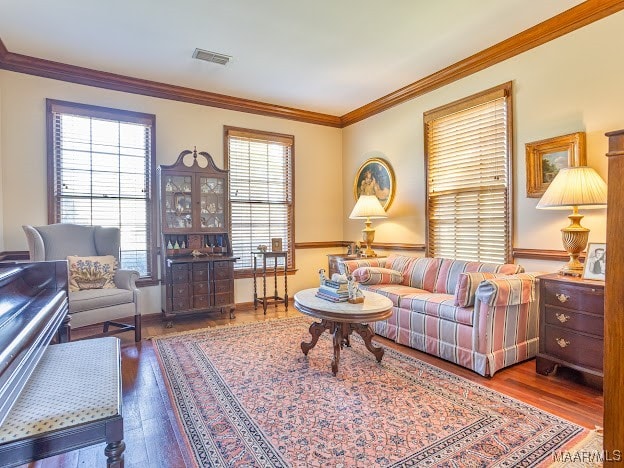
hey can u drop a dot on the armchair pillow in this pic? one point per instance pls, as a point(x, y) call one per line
point(91, 272)
point(467, 286)
point(377, 275)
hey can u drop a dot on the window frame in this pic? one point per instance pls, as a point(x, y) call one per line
point(87, 110)
point(501, 91)
point(264, 135)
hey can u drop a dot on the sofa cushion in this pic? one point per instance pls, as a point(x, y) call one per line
point(448, 274)
point(89, 299)
point(437, 305)
point(375, 275)
point(467, 287)
point(391, 291)
point(422, 273)
point(400, 263)
point(347, 267)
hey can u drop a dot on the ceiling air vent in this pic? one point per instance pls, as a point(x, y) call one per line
point(211, 56)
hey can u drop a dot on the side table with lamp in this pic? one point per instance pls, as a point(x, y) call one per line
point(572, 309)
point(368, 207)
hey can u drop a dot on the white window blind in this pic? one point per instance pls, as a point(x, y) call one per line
point(468, 178)
point(102, 162)
point(261, 192)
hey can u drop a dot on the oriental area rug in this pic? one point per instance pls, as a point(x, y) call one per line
point(247, 396)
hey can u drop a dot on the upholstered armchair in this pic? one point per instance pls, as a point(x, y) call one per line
point(90, 306)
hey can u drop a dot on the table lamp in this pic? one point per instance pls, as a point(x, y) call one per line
point(367, 207)
point(575, 187)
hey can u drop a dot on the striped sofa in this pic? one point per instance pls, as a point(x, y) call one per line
point(482, 316)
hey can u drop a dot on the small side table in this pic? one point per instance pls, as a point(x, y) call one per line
point(275, 298)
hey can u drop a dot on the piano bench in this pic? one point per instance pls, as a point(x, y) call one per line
point(72, 400)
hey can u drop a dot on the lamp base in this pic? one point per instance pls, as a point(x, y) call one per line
point(368, 236)
point(574, 239)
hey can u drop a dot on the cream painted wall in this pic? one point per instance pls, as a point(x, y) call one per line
point(567, 85)
point(1, 180)
point(179, 126)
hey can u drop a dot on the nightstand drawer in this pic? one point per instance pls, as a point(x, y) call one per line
point(563, 318)
point(572, 347)
point(573, 296)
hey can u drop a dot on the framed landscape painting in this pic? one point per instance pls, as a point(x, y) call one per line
point(544, 159)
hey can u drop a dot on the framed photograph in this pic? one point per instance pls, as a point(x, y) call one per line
point(375, 177)
point(595, 262)
point(276, 244)
point(545, 158)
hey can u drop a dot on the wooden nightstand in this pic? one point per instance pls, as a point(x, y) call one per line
point(571, 326)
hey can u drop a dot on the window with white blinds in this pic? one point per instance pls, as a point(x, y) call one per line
point(261, 192)
point(468, 161)
point(100, 173)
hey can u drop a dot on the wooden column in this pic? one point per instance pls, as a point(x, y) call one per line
point(614, 301)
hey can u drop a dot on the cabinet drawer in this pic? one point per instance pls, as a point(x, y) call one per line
point(201, 288)
point(563, 318)
point(223, 286)
point(179, 274)
point(223, 299)
point(223, 270)
point(201, 302)
point(573, 296)
point(572, 347)
point(180, 303)
point(179, 290)
point(200, 272)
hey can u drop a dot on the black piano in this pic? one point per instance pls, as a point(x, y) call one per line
point(33, 314)
point(33, 309)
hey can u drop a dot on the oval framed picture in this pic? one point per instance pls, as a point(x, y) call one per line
point(375, 177)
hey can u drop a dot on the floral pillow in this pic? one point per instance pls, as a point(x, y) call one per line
point(91, 272)
point(467, 286)
point(377, 275)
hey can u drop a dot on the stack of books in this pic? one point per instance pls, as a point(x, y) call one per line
point(333, 291)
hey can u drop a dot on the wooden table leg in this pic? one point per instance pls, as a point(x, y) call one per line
point(316, 330)
point(367, 333)
point(114, 454)
point(338, 343)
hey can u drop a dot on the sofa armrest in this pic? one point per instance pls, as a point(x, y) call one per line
point(126, 279)
point(347, 267)
point(508, 290)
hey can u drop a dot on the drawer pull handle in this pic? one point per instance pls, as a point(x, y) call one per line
point(563, 318)
point(562, 297)
point(561, 342)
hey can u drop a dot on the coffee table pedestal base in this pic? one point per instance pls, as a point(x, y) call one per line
point(341, 332)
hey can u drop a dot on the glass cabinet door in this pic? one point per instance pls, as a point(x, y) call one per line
point(178, 207)
point(212, 202)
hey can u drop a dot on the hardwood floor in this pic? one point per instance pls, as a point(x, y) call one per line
point(151, 432)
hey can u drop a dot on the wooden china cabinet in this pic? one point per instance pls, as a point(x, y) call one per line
point(197, 262)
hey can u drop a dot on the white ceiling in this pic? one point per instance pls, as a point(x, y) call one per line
point(329, 56)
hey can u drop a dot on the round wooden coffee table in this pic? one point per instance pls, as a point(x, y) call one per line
point(341, 319)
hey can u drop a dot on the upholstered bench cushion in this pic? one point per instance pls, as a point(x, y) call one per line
point(438, 305)
point(90, 299)
point(73, 384)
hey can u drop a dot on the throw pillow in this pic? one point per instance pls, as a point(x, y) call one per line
point(91, 272)
point(377, 275)
point(467, 286)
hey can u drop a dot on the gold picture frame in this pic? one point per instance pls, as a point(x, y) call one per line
point(276, 244)
point(544, 159)
point(375, 177)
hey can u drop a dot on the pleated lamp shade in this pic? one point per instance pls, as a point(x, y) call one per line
point(575, 186)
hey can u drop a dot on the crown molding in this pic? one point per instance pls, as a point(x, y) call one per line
point(557, 26)
point(3, 51)
point(86, 76)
